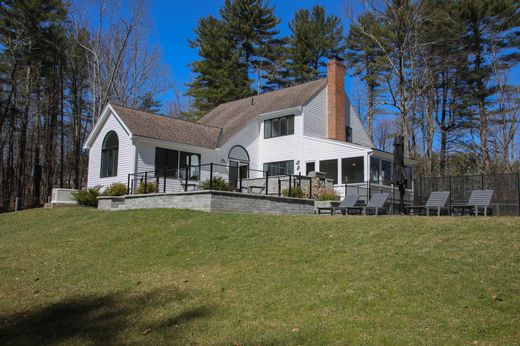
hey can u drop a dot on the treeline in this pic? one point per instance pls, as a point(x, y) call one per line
point(436, 71)
point(57, 72)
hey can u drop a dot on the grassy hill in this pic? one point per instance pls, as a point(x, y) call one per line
point(82, 276)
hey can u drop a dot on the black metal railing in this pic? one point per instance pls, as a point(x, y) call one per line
point(505, 186)
point(213, 176)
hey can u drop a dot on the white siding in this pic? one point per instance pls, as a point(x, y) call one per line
point(315, 116)
point(283, 148)
point(248, 138)
point(125, 156)
point(359, 135)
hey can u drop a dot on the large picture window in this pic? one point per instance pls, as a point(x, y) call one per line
point(277, 127)
point(166, 162)
point(109, 155)
point(279, 168)
point(172, 162)
point(353, 169)
point(330, 168)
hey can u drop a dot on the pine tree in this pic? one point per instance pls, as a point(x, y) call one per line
point(221, 75)
point(315, 37)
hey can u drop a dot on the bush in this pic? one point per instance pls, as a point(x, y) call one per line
point(150, 187)
point(87, 197)
point(218, 184)
point(324, 193)
point(116, 189)
point(296, 192)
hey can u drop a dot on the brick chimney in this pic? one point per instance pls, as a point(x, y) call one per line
point(336, 99)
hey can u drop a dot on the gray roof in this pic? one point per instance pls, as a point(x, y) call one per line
point(234, 116)
point(145, 124)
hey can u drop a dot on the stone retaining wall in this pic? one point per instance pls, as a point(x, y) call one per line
point(211, 201)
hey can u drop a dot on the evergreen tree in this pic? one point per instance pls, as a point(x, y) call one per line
point(251, 25)
point(150, 104)
point(221, 74)
point(315, 37)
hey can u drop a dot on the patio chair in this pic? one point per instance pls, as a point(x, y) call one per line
point(437, 201)
point(376, 204)
point(348, 201)
point(478, 200)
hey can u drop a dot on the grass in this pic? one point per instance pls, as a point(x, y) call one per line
point(82, 276)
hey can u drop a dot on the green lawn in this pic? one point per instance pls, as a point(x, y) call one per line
point(82, 276)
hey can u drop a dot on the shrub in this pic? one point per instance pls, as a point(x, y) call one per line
point(87, 197)
point(116, 189)
point(296, 192)
point(150, 187)
point(324, 193)
point(218, 184)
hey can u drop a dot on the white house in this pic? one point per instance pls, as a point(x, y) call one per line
point(296, 130)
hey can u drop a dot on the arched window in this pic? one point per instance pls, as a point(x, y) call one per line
point(239, 153)
point(109, 155)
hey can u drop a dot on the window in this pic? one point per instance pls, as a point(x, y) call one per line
point(310, 167)
point(353, 169)
point(374, 169)
point(173, 161)
point(277, 127)
point(386, 172)
point(348, 134)
point(166, 160)
point(192, 161)
point(109, 155)
point(330, 168)
point(279, 168)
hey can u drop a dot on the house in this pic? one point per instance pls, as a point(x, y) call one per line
point(296, 130)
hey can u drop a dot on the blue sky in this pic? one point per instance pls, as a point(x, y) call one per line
point(173, 23)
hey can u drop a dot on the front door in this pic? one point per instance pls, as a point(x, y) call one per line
point(237, 170)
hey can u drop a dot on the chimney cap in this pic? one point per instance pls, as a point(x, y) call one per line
point(336, 58)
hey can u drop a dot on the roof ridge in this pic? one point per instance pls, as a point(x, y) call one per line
point(267, 93)
point(161, 115)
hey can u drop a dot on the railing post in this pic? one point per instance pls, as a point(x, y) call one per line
point(186, 178)
point(211, 176)
point(300, 179)
point(267, 182)
point(164, 181)
point(310, 188)
point(145, 181)
point(157, 184)
point(482, 181)
point(128, 185)
point(279, 187)
point(240, 178)
point(289, 195)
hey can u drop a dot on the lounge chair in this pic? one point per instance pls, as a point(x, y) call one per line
point(347, 202)
point(437, 201)
point(478, 200)
point(376, 204)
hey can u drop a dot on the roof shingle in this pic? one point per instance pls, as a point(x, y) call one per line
point(145, 124)
point(234, 116)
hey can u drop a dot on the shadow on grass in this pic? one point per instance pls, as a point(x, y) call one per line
point(111, 319)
